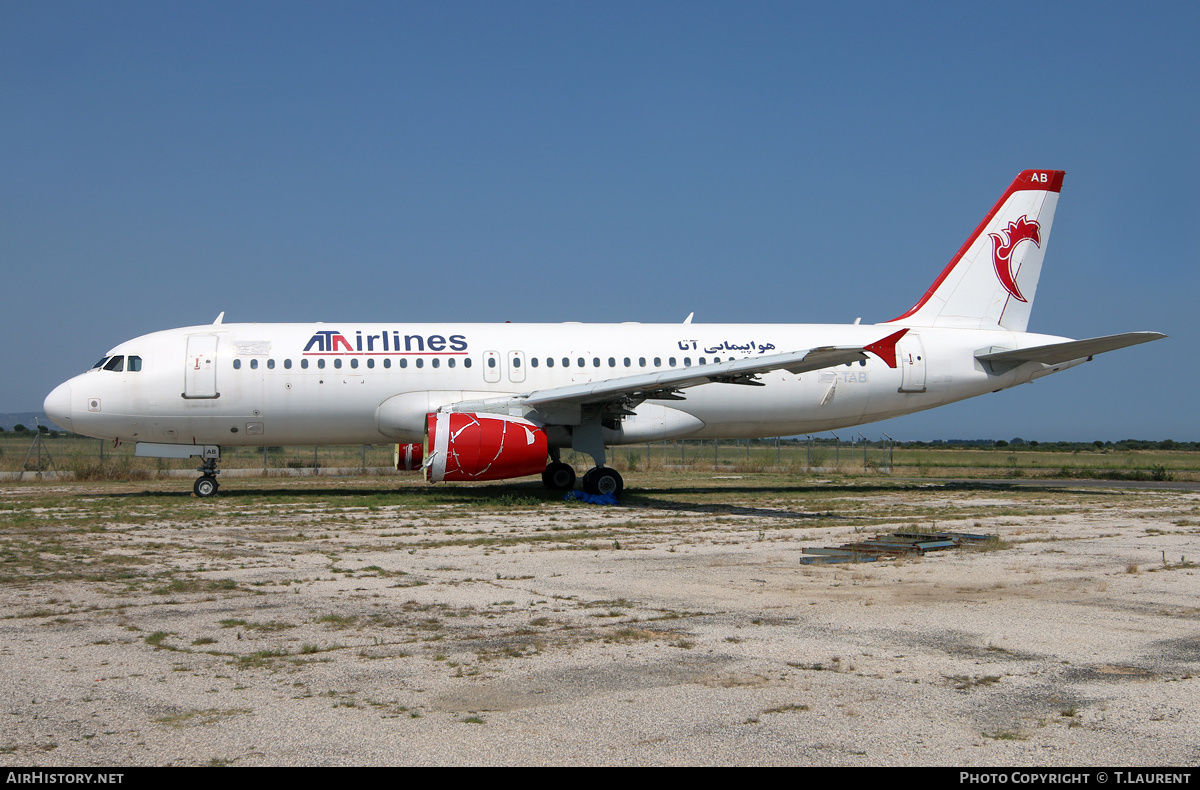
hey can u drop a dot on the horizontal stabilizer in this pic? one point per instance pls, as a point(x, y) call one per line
point(1056, 353)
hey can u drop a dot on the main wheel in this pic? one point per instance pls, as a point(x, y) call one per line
point(603, 480)
point(205, 486)
point(559, 476)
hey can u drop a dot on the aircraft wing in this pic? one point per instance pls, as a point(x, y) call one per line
point(664, 384)
point(1056, 353)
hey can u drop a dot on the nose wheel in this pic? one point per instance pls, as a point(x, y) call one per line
point(205, 486)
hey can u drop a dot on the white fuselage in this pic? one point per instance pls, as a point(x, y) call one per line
point(342, 383)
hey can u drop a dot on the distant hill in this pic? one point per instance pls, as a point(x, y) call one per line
point(26, 418)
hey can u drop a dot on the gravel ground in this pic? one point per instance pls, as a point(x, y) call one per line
point(354, 623)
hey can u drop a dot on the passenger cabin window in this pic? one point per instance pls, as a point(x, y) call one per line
point(135, 364)
point(467, 362)
point(254, 364)
point(304, 364)
point(237, 364)
point(387, 363)
point(116, 363)
point(270, 364)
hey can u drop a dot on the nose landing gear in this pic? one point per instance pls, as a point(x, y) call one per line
point(206, 485)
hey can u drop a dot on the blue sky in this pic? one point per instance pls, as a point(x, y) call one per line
point(751, 162)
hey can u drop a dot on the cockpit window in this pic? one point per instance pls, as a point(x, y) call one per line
point(135, 364)
point(116, 363)
point(100, 364)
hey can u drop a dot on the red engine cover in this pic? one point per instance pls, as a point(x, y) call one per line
point(482, 447)
point(408, 457)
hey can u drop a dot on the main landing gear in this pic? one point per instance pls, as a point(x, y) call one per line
point(206, 485)
point(586, 438)
point(559, 476)
point(599, 480)
point(603, 480)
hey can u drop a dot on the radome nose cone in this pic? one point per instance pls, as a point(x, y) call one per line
point(58, 406)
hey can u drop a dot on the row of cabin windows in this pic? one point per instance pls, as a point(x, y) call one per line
point(627, 362)
point(451, 362)
point(120, 363)
point(337, 363)
point(612, 362)
point(491, 362)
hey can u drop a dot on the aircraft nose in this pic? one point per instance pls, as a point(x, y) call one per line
point(58, 406)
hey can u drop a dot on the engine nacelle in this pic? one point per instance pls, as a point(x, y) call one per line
point(482, 447)
point(408, 457)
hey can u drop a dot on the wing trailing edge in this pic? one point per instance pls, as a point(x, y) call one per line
point(740, 371)
point(666, 384)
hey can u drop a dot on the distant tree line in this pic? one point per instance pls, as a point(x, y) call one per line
point(1016, 443)
point(988, 444)
point(21, 430)
point(1071, 447)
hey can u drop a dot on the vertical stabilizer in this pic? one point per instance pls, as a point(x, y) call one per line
point(991, 281)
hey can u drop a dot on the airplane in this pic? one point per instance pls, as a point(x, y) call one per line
point(468, 401)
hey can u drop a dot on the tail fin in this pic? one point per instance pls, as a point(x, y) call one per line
point(990, 282)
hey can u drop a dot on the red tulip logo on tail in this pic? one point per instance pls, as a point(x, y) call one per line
point(1003, 244)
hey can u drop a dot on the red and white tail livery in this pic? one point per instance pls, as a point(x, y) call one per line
point(991, 280)
point(466, 401)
